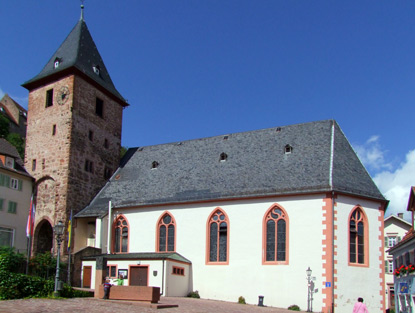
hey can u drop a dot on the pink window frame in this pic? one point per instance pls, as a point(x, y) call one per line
point(267, 216)
point(114, 226)
point(364, 220)
point(160, 223)
point(209, 222)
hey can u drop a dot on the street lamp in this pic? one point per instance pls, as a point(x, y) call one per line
point(59, 230)
point(309, 271)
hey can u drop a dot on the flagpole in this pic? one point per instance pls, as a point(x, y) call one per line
point(69, 250)
point(29, 246)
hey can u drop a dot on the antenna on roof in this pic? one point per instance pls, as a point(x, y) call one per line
point(82, 10)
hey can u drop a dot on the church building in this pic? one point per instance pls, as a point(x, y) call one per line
point(285, 215)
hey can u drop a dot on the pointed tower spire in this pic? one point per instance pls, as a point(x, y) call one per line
point(82, 11)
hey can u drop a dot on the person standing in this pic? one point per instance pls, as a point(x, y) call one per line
point(360, 307)
point(107, 287)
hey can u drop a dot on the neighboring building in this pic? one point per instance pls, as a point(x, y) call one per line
point(395, 229)
point(15, 192)
point(73, 134)
point(244, 214)
point(404, 265)
point(15, 113)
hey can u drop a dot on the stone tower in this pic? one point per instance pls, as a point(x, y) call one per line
point(73, 132)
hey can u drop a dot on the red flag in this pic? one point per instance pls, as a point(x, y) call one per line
point(31, 218)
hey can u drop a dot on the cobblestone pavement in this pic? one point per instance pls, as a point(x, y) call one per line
point(91, 305)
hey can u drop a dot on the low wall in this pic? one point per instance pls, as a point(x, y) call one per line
point(138, 293)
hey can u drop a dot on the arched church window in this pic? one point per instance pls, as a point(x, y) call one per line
point(218, 237)
point(120, 235)
point(358, 240)
point(166, 233)
point(275, 236)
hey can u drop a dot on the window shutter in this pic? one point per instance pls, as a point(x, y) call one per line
point(7, 181)
point(1, 204)
point(386, 266)
point(2, 177)
point(398, 239)
point(386, 242)
point(20, 186)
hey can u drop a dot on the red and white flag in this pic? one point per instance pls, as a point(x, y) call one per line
point(31, 218)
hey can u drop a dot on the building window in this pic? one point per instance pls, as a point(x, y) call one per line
point(91, 135)
point(112, 271)
point(89, 166)
point(1, 204)
point(15, 183)
point(34, 165)
point(54, 130)
point(6, 237)
point(357, 237)
point(120, 235)
point(49, 98)
point(12, 207)
point(107, 173)
point(275, 236)
point(4, 180)
point(166, 233)
point(99, 107)
point(96, 69)
point(9, 162)
point(178, 271)
point(218, 239)
point(106, 144)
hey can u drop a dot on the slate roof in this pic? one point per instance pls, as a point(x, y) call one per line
point(142, 256)
point(321, 160)
point(78, 52)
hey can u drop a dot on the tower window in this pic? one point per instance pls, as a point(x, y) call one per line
point(99, 107)
point(49, 98)
point(57, 63)
point(54, 130)
point(91, 135)
point(34, 165)
point(89, 166)
point(106, 144)
point(107, 173)
point(43, 164)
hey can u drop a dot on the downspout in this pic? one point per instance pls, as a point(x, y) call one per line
point(162, 279)
point(332, 212)
point(109, 227)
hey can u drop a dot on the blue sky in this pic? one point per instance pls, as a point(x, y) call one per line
point(193, 69)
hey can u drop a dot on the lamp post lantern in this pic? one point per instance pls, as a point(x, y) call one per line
point(59, 230)
point(309, 271)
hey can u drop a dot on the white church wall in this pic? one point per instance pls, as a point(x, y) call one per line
point(245, 275)
point(358, 281)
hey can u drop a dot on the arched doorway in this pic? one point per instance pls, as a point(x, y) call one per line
point(44, 237)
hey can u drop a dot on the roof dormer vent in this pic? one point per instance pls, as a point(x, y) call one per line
point(288, 149)
point(96, 69)
point(57, 62)
point(154, 165)
point(223, 157)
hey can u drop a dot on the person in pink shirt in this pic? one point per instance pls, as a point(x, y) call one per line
point(360, 307)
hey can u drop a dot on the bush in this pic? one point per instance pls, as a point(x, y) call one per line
point(241, 300)
point(68, 292)
point(194, 294)
point(10, 261)
point(17, 286)
point(294, 307)
point(44, 265)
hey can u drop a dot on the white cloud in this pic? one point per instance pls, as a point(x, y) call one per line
point(395, 185)
point(372, 155)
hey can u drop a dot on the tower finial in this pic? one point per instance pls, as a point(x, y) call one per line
point(82, 10)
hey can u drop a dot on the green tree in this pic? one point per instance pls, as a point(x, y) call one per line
point(123, 151)
point(4, 126)
point(18, 142)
